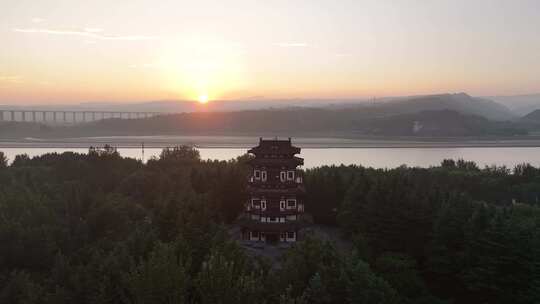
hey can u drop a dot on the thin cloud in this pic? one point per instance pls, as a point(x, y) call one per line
point(11, 79)
point(37, 20)
point(93, 30)
point(291, 44)
point(88, 33)
point(144, 66)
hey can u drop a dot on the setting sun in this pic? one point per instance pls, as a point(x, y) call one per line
point(203, 99)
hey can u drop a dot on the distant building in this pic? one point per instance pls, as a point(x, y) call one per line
point(274, 210)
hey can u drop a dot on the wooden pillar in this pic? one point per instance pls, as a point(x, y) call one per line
point(1, 115)
point(34, 116)
point(74, 117)
point(64, 116)
point(54, 116)
point(12, 115)
point(93, 116)
point(44, 116)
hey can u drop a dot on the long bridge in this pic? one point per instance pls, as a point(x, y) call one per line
point(61, 116)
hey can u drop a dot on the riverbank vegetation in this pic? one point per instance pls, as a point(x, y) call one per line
point(99, 228)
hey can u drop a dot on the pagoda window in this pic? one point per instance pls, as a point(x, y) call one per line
point(282, 176)
point(257, 174)
point(263, 204)
point(291, 203)
point(283, 236)
point(263, 176)
point(291, 235)
point(282, 205)
point(290, 175)
point(282, 220)
point(256, 203)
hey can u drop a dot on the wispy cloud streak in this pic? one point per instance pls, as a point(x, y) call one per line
point(88, 33)
point(291, 44)
point(10, 78)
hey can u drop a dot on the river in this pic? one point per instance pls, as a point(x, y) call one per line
point(369, 157)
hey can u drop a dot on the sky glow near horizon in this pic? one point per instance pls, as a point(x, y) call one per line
point(125, 51)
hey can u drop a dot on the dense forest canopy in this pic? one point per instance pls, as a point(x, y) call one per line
point(100, 228)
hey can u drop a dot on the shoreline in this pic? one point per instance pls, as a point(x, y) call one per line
point(242, 142)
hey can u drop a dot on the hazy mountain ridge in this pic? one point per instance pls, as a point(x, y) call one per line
point(460, 102)
point(519, 104)
point(447, 123)
point(431, 115)
point(292, 122)
point(533, 116)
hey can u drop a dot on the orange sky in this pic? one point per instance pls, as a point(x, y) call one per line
point(125, 51)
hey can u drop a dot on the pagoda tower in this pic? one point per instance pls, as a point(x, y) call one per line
point(275, 206)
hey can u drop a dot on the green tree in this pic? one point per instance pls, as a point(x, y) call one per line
point(223, 280)
point(20, 288)
point(3, 160)
point(162, 278)
point(363, 286)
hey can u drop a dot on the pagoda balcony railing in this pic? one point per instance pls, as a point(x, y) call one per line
point(296, 180)
point(298, 207)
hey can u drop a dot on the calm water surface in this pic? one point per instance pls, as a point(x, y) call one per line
point(369, 157)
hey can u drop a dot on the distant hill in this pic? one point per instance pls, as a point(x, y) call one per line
point(350, 122)
point(519, 104)
point(533, 116)
point(460, 102)
point(445, 123)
